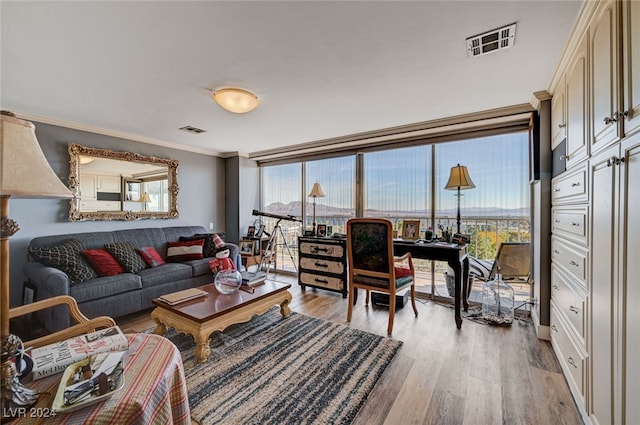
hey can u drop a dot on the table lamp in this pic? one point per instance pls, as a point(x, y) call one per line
point(25, 173)
point(145, 199)
point(459, 179)
point(316, 192)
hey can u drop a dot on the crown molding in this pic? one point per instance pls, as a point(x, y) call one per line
point(113, 133)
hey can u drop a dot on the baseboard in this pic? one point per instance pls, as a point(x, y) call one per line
point(542, 331)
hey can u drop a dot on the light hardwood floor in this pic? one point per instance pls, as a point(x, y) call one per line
point(480, 374)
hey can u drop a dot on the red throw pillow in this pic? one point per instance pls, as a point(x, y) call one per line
point(151, 256)
point(402, 272)
point(185, 250)
point(103, 262)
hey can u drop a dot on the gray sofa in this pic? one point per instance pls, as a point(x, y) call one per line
point(124, 293)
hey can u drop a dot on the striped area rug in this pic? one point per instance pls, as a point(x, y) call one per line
point(299, 370)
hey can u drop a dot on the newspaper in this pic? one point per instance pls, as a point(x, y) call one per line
point(54, 358)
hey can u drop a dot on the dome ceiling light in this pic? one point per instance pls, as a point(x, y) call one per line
point(235, 100)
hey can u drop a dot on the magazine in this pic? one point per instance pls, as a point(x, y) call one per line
point(54, 358)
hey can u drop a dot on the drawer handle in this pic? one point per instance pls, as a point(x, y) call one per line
point(555, 251)
point(575, 184)
point(321, 265)
point(556, 287)
point(562, 125)
point(321, 280)
point(557, 189)
point(609, 120)
point(553, 328)
point(572, 362)
point(574, 309)
point(573, 223)
point(316, 249)
point(556, 221)
point(573, 263)
point(564, 157)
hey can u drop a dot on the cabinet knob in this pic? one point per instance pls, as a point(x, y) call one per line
point(619, 115)
point(575, 184)
point(556, 287)
point(572, 362)
point(573, 263)
point(575, 224)
point(574, 309)
point(609, 120)
point(553, 328)
point(564, 157)
point(562, 125)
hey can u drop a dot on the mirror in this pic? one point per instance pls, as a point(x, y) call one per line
point(109, 185)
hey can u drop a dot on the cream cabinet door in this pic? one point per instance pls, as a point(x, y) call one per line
point(603, 287)
point(631, 65)
point(604, 78)
point(88, 187)
point(630, 247)
point(576, 92)
point(558, 116)
point(109, 184)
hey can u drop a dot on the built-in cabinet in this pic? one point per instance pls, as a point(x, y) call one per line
point(595, 319)
point(92, 184)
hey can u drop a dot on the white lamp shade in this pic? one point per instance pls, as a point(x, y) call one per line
point(316, 191)
point(25, 172)
point(235, 100)
point(145, 197)
point(459, 178)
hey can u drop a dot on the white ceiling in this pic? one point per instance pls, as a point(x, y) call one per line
point(320, 69)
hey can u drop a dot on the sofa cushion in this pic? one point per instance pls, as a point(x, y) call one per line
point(66, 257)
point(151, 256)
point(103, 262)
point(185, 250)
point(127, 256)
point(200, 267)
point(107, 286)
point(169, 272)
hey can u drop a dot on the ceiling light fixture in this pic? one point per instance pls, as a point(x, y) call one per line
point(235, 100)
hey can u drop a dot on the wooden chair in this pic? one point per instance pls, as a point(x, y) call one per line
point(83, 324)
point(373, 267)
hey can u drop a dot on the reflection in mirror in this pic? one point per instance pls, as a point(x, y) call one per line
point(111, 185)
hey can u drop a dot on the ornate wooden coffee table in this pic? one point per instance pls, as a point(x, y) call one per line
point(215, 312)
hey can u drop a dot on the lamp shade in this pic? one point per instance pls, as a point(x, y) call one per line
point(459, 178)
point(145, 197)
point(236, 100)
point(316, 191)
point(25, 172)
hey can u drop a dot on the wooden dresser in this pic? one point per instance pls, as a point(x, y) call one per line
point(322, 263)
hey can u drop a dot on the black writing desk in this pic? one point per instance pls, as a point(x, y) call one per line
point(455, 255)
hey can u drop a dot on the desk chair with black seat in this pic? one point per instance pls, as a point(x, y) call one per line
point(372, 265)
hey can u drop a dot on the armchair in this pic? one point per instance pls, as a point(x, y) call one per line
point(373, 267)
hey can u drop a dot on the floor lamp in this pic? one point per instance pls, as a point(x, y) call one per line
point(459, 179)
point(25, 173)
point(316, 192)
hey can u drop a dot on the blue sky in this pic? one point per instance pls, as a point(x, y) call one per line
point(400, 179)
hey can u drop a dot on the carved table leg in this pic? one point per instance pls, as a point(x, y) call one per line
point(203, 351)
point(284, 306)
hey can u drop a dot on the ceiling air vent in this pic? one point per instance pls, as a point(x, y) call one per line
point(491, 41)
point(192, 130)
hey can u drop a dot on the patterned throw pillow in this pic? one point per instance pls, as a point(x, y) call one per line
point(151, 256)
point(103, 262)
point(66, 257)
point(185, 250)
point(127, 256)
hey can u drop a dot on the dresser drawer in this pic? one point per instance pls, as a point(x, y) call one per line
point(571, 357)
point(329, 282)
point(322, 249)
point(570, 186)
point(571, 302)
point(571, 257)
point(571, 222)
point(322, 265)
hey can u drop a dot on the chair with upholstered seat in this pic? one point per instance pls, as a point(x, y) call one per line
point(373, 267)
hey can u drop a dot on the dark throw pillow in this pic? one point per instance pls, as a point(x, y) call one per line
point(103, 262)
point(185, 250)
point(151, 256)
point(66, 257)
point(127, 256)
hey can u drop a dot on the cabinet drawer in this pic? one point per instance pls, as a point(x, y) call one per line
point(320, 248)
point(572, 358)
point(571, 222)
point(334, 283)
point(318, 264)
point(570, 186)
point(570, 301)
point(571, 257)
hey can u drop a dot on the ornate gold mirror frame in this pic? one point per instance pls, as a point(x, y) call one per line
point(75, 213)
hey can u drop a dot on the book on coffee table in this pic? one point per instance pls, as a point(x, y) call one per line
point(253, 278)
point(182, 296)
